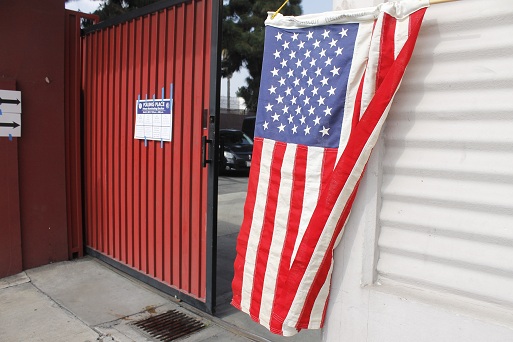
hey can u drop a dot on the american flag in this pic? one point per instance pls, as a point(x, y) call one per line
point(327, 84)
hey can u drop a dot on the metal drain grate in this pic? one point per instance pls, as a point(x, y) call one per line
point(170, 325)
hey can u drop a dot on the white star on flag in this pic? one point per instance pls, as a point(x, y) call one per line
point(324, 131)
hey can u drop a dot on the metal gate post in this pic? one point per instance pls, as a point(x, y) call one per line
point(213, 123)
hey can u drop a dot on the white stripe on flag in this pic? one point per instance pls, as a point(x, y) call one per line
point(369, 85)
point(275, 251)
point(314, 166)
point(402, 28)
point(256, 223)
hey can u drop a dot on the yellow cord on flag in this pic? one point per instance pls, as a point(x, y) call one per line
point(431, 2)
point(279, 9)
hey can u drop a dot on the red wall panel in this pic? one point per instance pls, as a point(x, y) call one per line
point(146, 202)
point(32, 36)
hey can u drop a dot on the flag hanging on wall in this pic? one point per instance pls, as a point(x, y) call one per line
point(326, 87)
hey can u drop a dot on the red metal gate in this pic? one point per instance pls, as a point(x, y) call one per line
point(146, 201)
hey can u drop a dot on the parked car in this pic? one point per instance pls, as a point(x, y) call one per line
point(248, 126)
point(236, 150)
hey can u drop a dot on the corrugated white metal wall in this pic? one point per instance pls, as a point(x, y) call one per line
point(447, 193)
point(427, 254)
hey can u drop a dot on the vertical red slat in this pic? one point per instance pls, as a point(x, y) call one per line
point(159, 160)
point(95, 145)
point(196, 171)
point(89, 93)
point(103, 132)
point(131, 96)
point(169, 157)
point(98, 137)
point(110, 115)
point(177, 149)
point(86, 84)
point(137, 147)
point(152, 91)
point(116, 113)
point(144, 152)
point(123, 222)
point(187, 150)
point(86, 70)
point(99, 141)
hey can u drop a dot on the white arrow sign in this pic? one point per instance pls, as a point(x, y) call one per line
point(10, 113)
point(10, 125)
point(10, 101)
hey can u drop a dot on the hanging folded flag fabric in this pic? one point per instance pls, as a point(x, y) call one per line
point(327, 84)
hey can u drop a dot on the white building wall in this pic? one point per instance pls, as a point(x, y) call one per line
point(427, 254)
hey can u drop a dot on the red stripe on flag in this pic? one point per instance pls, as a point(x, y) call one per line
point(328, 165)
point(296, 208)
point(267, 228)
point(242, 239)
point(416, 21)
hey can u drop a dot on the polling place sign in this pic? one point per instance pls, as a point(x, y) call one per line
point(154, 119)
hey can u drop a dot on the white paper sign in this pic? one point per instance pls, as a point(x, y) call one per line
point(154, 119)
point(10, 113)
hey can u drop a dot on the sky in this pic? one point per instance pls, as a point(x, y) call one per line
point(309, 7)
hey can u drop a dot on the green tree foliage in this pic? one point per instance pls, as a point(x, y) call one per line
point(243, 40)
point(112, 8)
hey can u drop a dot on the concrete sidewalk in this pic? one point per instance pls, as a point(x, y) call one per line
point(86, 300)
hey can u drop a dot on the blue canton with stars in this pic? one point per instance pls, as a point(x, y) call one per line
point(303, 85)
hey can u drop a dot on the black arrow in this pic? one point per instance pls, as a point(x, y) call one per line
point(6, 124)
point(16, 102)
